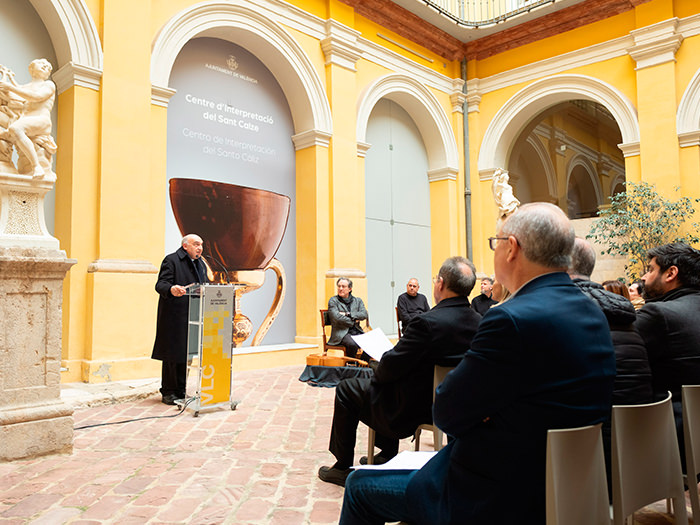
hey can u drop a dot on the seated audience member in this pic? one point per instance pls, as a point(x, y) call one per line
point(411, 303)
point(541, 360)
point(633, 376)
point(482, 302)
point(617, 287)
point(636, 291)
point(400, 395)
point(345, 312)
point(669, 322)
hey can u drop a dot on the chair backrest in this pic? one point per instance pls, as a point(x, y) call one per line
point(646, 464)
point(439, 374)
point(326, 321)
point(577, 489)
point(691, 433)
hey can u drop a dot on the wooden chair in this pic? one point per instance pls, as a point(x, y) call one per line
point(646, 464)
point(576, 485)
point(325, 322)
point(439, 373)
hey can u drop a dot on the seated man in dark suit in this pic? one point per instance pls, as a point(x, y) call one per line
point(482, 302)
point(543, 359)
point(399, 396)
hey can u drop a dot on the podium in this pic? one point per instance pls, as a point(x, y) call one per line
point(209, 340)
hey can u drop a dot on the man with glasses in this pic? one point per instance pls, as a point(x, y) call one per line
point(541, 360)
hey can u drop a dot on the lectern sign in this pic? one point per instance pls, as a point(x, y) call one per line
point(215, 383)
point(211, 311)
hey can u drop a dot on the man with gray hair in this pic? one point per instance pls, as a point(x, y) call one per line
point(177, 271)
point(541, 360)
point(399, 396)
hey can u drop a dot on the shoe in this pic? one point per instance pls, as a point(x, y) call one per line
point(378, 460)
point(169, 399)
point(333, 475)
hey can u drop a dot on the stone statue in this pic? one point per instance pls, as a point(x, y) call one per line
point(25, 121)
point(503, 194)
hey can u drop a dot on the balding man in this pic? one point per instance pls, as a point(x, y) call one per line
point(541, 360)
point(411, 304)
point(179, 269)
point(399, 396)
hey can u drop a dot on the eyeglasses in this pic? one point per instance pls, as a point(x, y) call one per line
point(492, 244)
point(435, 279)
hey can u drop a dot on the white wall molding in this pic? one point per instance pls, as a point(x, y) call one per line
point(249, 25)
point(424, 109)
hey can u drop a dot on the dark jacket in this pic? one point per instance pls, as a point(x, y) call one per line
point(542, 359)
point(341, 323)
point(482, 302)
point(401, 391)
point(633, 375)
point(409, 307)
point(171, 328)
point(670, 328)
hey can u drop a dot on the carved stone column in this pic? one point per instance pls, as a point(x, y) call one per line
point(33, 419)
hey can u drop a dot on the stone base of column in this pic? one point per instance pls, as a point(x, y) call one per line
point(33, 419)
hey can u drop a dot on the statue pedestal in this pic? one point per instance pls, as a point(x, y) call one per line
point(22, 221)
point(33, 419)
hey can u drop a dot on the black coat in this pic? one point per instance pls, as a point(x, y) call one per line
point(401, 392)
point(171, 328)
point(633, 375)
point(670, 328)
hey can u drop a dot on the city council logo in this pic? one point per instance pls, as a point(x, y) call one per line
point(232, 63)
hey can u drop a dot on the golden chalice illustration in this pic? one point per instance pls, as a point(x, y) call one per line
point(242, 229)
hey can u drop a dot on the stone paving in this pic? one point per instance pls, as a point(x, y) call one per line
point(254, 465)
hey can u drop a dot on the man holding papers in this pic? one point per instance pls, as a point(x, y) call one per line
point(399, 396)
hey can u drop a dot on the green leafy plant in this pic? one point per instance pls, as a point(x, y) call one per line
point(639, 219)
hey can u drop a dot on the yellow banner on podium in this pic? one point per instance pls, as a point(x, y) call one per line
point(215, 366)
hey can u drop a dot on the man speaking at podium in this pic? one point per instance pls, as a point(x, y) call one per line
point(177, 270)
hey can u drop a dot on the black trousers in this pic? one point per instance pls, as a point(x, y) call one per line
point(173, 379)
point(351, 348)
point(351, 400)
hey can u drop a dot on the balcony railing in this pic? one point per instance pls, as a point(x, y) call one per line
point(477, 13)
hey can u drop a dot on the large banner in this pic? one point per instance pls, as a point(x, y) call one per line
point(229, 121)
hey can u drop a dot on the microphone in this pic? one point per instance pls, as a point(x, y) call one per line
point(219, 264)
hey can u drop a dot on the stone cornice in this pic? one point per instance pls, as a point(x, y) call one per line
point(121, 266)
point(310, 138)
point(71, 74)
point(340, 45)
point(160, 96)
point(656, 44)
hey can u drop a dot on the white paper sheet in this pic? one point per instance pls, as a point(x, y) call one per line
point(374, 342)
point(406, 460)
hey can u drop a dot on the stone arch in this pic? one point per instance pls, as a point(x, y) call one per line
point(688, 116)
point(273, 46)
point(75, 40)
point(426, 112)
point(522, 107)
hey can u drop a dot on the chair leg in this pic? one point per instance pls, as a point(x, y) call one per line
point(416, 439)
point(370, 446)
point(694, 501)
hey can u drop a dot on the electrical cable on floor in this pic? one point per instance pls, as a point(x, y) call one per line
point(184, 406)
